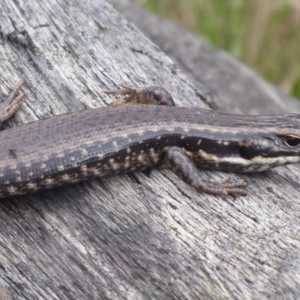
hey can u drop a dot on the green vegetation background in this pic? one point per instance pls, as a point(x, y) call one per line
point(264, 34)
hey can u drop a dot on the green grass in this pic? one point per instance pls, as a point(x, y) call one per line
point(265, 34)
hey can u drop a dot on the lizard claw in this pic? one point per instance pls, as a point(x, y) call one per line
point(225, 187)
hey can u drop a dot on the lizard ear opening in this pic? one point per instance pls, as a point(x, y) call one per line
point(245, 152)
point(248, 150)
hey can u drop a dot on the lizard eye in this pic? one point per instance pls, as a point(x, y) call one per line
point(291, 141)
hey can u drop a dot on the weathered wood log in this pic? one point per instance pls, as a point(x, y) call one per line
point(132, 236)
point(232, 86)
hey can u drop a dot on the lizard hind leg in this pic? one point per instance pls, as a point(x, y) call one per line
point(11, 104)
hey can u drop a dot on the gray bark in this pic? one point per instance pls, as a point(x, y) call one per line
point(134, 236)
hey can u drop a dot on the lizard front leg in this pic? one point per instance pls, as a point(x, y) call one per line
point(149, 95)
point(184, 168)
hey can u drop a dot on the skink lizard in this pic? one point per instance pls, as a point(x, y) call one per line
point(125, 138)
